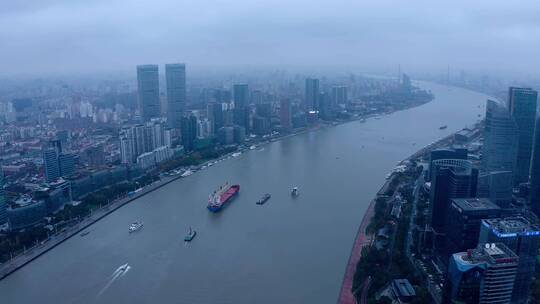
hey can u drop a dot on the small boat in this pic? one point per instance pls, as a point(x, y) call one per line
point(135, 226)
point(263, 199)
point(252, 147)
point(191, 235)
point(294, 191)
point(443, 127)
point(85, 233)
point(187, 173)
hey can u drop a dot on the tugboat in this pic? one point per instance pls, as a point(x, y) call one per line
point(135, 226)
point(191, 235)
point(294, 192)
point(263, 199)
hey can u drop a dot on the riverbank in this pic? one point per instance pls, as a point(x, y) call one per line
point(347, 295)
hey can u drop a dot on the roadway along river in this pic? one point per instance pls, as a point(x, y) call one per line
point(286, 251)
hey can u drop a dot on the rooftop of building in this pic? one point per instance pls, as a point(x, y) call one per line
point(475, 204)
point(485, 253)
point(511, 226)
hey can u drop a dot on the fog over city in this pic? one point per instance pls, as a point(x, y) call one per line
point(67, 36)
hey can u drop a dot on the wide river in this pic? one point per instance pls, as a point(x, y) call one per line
point(286, 251)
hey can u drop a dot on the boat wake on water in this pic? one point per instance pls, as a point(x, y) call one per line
point(118, 273)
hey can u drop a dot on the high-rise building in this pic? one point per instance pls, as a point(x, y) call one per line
point(188, 129)
point(311, 97)
point(483, 275)
point(148, 91)
point(50, 162)
point(522, 105)
point(215, 115)
point(126, 149)
point(339, 95)
point(3, 202)
point(500, 140)
point(241, 95)
point(241, 103)
point(535, 172)
point(522, 236)
point(285, 116)
point(66, 162)
point(497, 186)
point(175, 75)
point(451, 178)
point(464, 218)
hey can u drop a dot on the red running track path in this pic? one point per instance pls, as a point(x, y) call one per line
point(346, 296)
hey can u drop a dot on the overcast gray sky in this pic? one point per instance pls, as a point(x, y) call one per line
point(51, 36)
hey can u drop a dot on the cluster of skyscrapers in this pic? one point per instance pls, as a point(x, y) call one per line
point(481, 232)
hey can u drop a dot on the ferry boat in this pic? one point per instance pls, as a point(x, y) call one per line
point(135, 226)
point(263, 199)
point(294, 191)
point(191, 235)
point(219, 198)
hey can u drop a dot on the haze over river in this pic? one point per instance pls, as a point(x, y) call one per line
point(286, 251)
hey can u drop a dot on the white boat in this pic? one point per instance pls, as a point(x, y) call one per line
point(187, 173)
point(236, 154)
point(135, 226)
point(295, 192)
point(252, 147)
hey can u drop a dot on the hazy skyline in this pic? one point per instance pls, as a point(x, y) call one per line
point(424, 36)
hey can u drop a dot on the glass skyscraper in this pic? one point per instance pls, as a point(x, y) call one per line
point(148, 91)
point(522, 106)
point(175, 75)
point(499, 155)
point(535, 172)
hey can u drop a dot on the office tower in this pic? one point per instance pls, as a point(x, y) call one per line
point(50, 162)
point(264, 110)
point(3, 202)
point(497, 186)
point(463, 222)
point(339, 95)
point(188, 130)
point(483, 275)
point(522, 236)
point(500, 140)
point(241, 95)
point(175, 75)
point(451, 178)
point(285, 117)
point(66, 162)
point(241, 103)
point(449, 153)
point(261, 125)
point(214, 112)
point(311, 97)
point(148, 91)
point(522, 106)
point(535, 172)
point(56, 144)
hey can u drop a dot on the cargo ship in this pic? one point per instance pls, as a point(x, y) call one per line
point(222, 196)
